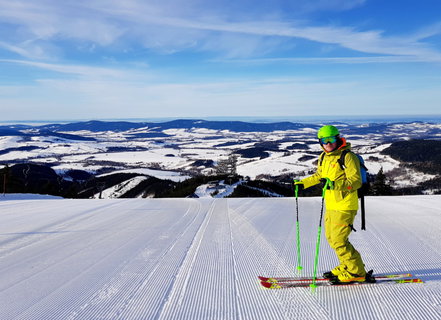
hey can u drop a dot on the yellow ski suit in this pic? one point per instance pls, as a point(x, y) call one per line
point(341, 205)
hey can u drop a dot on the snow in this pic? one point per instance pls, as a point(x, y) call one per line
point(200, 258)
point(275, 165)
point(120, 189)
point(177, 150)
point(160, 174)
point(216, 190)
point(27, 196)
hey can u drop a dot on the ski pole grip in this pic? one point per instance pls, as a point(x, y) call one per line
point(296, 188)
point(324, 188)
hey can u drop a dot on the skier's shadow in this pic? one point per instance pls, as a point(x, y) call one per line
point(427, 274)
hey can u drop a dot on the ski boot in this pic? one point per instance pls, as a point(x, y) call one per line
point(370, 277)
point(347, 277)
point(334, 272)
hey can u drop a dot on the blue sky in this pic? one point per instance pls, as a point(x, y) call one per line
point(112, 59)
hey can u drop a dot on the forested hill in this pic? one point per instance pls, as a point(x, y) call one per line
point(425, 155)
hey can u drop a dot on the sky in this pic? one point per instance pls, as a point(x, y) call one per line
point(112, 59)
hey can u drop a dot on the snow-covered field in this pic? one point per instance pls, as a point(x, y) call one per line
point(199, 259)
point(179, 153)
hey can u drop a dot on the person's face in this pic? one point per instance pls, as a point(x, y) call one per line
point(329, 147)
point(329, 143)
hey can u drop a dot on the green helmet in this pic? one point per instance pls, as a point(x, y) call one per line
point(327, 131)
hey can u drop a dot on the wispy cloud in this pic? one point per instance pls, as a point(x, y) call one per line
point(86, 71)
point(370, 41)
point(329, 60)
point(360, 41)
point(182, 25)
point(52, 20)
point(16, 49)
point(427, 32)
point(75, 58)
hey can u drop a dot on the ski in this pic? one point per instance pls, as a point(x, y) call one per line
point(303, 284)
point(309, 279)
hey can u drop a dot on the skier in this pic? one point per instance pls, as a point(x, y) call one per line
point(341, 202)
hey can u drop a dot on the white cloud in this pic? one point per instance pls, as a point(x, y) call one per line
point(20, 51)
point(427, 32)
point(80, 70)
point(43, 31)
point(171, 26)
point(361, 41)
point(329, 60)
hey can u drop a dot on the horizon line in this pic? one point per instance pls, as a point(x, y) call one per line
point(251, 119)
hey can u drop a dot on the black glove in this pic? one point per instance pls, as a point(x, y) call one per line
point(299, 185)
point(328, 183)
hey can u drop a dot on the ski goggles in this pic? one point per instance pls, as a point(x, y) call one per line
point(327, 140)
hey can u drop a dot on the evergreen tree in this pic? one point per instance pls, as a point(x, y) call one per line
point(227, 166)
point(380, 186)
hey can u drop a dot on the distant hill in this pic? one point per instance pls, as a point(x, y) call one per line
point(423, 154)
point(420, 155)
point(41, 179)
point(236, 126)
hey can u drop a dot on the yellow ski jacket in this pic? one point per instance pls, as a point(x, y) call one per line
point(346, 182)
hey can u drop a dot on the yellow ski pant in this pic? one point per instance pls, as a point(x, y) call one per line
point(337, 230)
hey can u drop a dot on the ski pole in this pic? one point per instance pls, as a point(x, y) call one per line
point(299, 259)
point(317, 247)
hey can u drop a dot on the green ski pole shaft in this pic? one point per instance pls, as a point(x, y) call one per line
point(299, 259)
point(317, 250)
point(317, 246)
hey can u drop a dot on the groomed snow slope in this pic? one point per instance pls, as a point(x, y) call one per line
point(199, 259)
